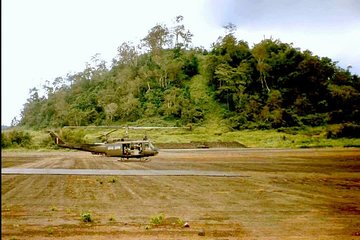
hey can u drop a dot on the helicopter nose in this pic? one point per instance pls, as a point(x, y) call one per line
point(156, 150)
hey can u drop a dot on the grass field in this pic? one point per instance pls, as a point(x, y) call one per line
point(304, 138)
point(281, 194)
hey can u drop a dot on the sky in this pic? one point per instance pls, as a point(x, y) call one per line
point(45, 39)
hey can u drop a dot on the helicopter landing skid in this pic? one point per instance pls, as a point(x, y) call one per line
point(134, 160)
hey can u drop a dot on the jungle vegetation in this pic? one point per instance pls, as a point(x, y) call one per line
point(269, 85)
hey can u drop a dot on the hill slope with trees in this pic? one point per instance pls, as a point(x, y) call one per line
point(164, 78)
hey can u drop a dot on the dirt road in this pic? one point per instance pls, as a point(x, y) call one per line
point(108, 172)
point(287, 194)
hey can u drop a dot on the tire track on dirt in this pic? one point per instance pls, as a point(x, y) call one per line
point(187, 192)
point(126, 185)
point(21, 184)
point(8, 184)
point(53, 162)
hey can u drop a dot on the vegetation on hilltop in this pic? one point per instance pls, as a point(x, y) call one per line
point(270, 85)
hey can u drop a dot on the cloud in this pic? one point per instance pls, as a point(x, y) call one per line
point(282, 14)
point(45, 39)
point(328, 28)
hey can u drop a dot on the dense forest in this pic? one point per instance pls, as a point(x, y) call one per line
point(269, 85)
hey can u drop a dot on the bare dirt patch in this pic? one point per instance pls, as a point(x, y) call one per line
point(288, 194)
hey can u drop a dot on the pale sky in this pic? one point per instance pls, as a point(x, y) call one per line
point(45, 39)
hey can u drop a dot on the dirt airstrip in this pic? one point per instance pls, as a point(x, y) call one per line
point(279, 194)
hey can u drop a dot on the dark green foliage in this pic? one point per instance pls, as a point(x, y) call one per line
point(191, 65)
point(318, 119)
point(344, 130)
point(86, 217)
point(271, 85)
point(5, 141)
point(15, 138)
point(73, 135)
point(48, 142)
point(276, 85)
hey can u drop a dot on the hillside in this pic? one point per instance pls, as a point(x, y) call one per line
point(168, 82)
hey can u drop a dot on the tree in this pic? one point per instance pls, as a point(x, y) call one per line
point(31, 113)
point(172, 102)
point(180, 32)
point(110, 111)
point(260, 54)
point(230, 28)
point(14, 122)
point(158, 37)
point(127, 54)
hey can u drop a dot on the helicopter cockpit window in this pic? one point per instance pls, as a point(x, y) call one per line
point(126, 149)
point(146, 146)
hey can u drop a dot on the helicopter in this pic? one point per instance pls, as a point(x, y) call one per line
point(122, 147)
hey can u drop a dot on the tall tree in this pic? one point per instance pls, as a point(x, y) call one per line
point(157, 39)
point(259, 52)
point(180, 32)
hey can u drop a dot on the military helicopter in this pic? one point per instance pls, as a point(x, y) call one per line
point(122, 147)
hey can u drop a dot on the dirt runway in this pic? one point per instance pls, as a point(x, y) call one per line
point(108, 172)
point(288, 194)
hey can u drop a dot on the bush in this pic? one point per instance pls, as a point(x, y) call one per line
point(290, 130)
point(48, 142)
point(86, 217)
point(318, 119)
point(73, 135)
point(346, 130)
point(5, 141)
point(157, 220)
point(16, 138)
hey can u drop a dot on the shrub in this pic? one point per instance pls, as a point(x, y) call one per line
point(5, 141)
point(47, 142)
point(112, 180)
point(318, 119)
point(346, 130)
point(73, 135)
point(157, 220)
point(50, 231)
point(86, 217)
point(15, 138)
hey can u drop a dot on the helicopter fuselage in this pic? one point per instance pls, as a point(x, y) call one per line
point(126, 149)
point(122, 149)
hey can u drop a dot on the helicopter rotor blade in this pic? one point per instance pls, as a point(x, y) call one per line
point(106, 134)
point(124, 127)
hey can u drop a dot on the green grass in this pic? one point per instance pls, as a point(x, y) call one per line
point(215, 132)
point(157, 220)
point(212, 110)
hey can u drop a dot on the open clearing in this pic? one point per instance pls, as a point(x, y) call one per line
point(280, 194)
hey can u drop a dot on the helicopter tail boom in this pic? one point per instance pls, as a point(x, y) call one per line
point(56, 138)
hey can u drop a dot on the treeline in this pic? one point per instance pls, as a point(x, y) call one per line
point(269, 85)
point(274, 85)
point(148, 80)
